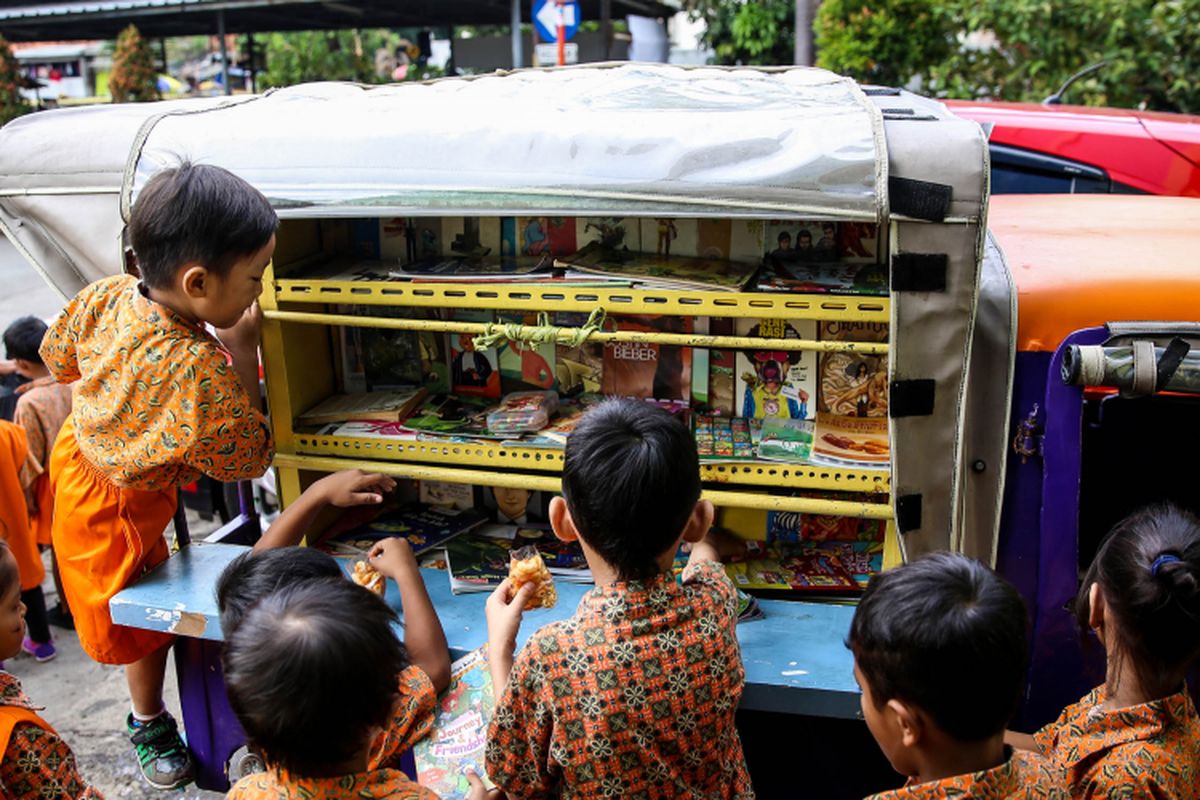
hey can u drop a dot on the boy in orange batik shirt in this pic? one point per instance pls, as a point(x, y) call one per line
point(158, 401)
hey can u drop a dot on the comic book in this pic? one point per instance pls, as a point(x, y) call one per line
point(722, 365)
point(776, 383)
point(523, 366)
point(785, 439)
point(473, 372)
point(793, 526)
point(852, 412)
point(424, 526)
point(478, 562)
point(790, 568)
point(662, 269)
point(645, 369)
point(458, 739)
point(726, 438)
point(537, 236)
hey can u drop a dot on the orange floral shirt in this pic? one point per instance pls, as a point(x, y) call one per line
point(411, 721)
point(634, 696)
point(41, 411)
point(1150, 750)
point(157, 402)
point(37, 762)
point(1024, 776)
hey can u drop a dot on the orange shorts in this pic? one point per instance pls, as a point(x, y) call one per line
point(104, 538)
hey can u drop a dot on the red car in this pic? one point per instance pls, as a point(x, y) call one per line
point(1041, 149)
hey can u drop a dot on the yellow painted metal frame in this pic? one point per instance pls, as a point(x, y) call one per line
point(546, 483)
point(539, 297)
point(656, 337)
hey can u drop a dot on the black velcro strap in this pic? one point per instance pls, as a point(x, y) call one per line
point(919, 272)
point(1169, 361)
point(888, 91)
point(919, 199)
point(911, 398)
point(908, 512)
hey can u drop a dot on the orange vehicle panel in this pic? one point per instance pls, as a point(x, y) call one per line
point(1080, 261)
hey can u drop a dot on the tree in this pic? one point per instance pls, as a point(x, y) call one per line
point(134, 78)
point(305, 56)
point(883, 42)
point(747, 31)
point(12, 105)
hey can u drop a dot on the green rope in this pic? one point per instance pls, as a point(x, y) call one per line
point(541, 333)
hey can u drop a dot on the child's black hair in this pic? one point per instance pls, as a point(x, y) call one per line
point(1148, 568)
point(9, 575)
point(947, 635)
point(23, 338)
point(254, 575)
point(197, 213)
point(631, 479)
point(311, 671)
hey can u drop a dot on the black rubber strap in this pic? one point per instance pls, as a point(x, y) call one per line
point(908, 512)
point(911, 398)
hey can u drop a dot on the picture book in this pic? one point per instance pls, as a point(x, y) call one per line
point(565, 419)
point(520, 412)
point(663, 269)
point(478, 562)
point(776, 383)
point(790, 568)
point(472, 371)
point(537, 236)
point(368, 429)
point(577, 367)
point(647, 369)
point(424, 526)
point(448, 415)
point(721, 367)
point(709, 238)
point(525, 366)
point(823, 277)
point(393, 358)
point(793, 526)
point(458, 739)
point(614, 233)
point(381, 406)
point(786, 439)
point(791, 242)
point(426, 239)
point(852, 397)
point(726, 438)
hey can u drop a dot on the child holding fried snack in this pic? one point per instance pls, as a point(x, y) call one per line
point(635, 694)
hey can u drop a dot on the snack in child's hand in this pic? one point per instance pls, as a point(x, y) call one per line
point(367, 576)
point(526, 566)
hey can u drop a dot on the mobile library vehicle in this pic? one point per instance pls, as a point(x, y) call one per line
point(778, 254)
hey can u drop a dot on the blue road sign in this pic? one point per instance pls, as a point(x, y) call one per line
point(545, 19)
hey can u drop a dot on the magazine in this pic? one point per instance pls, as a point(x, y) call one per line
point(473, 372)
point(852, 410)
point(646, 369)
point(447, 415)
point(776, 383)
point(379, 406)
point(791, 242)
point(424, 526)
point(458, 739)
point(786, 439)
point(537, 236)
point(722, 364)
point(792, 568)
point(662, 269)
point(823, 277)
point(478, 562)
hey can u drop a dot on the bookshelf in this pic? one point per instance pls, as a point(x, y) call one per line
point(304, 303)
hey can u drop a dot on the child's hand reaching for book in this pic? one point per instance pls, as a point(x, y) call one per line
point(393, 558)
point(353, 487)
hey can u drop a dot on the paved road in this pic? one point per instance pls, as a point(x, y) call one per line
point(22, 289)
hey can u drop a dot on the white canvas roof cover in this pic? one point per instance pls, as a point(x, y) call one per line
point(634, 139)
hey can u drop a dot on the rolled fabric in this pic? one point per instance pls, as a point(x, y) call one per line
point(1097, 365)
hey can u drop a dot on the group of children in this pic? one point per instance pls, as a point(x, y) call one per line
point(633, 696)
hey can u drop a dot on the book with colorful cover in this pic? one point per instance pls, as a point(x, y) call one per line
point(852, 397)
point(791, 568)
point(824, 277)
point(726, 438)
point(478, 562)
point(378, 406)
point(458, 740)
point(537, 236)
point(776, 383)
point(786, 439)
point(525, 366)
point(424, 526)
point(447, 415)
point(648, 369)
point(722, 366)
point(555, 434)
point(796, 242)
point(473, 372)
point(794, 526)
point(684, 272)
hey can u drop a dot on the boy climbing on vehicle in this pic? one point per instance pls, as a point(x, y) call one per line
point(158, 401)
point(635, 694)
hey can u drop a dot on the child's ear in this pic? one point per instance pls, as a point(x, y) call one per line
point(699, 522)
point(560, 520)
point(194, 280)
point(1096, 610)
point(909, 721)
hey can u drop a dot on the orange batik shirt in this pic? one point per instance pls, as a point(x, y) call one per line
point(411, 721)
point(634, 696)
point(41, 411)
point(1024, 776)
point(1147, 750)
point(157, 401)
point(37, 763)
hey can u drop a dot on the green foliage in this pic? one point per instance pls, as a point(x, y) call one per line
point(306, 56)
point(134, 75)
point(1021, 49)
point(12, 105)
point(747, 31)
